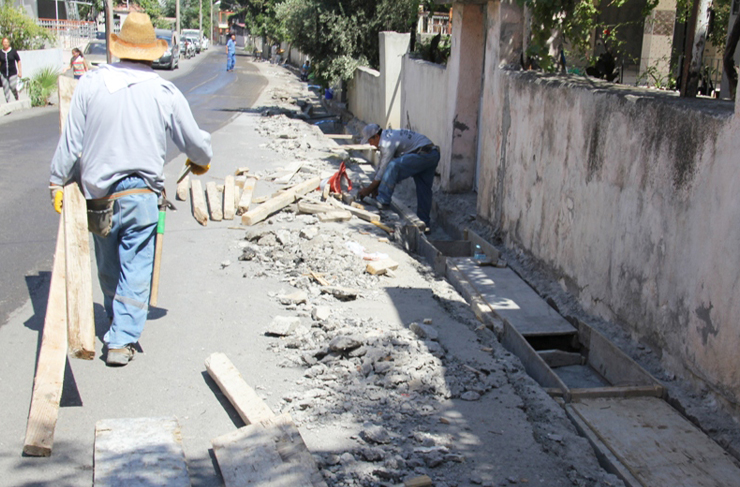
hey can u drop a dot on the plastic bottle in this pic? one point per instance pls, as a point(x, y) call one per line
point(479, 254)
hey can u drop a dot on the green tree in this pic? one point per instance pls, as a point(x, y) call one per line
point(339, 35)
point(189, 13)
point(21, 29)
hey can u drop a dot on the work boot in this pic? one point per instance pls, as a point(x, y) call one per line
point(120, 356)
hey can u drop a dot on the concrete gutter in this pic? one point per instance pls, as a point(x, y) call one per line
point(14, 106)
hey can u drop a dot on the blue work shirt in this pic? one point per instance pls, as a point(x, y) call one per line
point(231, 46)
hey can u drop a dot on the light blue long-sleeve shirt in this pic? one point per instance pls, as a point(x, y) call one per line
point(231, 46)
point(118, 123)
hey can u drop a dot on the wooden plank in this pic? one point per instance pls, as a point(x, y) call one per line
point(656, 444)
point(334, 216)
point(214, 201)
point(182, 189)
point(340, 136)
point(47, 385)
point(198, 202)
point(139, 452)
point(475, 239)
point(357, 147)
point(358, 212)
point(66, 90)
point(80, 317)
point(229, 190)
point(285, 176)
point(423, 481)
point(560, 358)
point(271, 453)
point(246, 402)
point(627, 391)
point(279, 202)
point(381, 266)
point(246, 198)
point(408, 215)
point(513, 300)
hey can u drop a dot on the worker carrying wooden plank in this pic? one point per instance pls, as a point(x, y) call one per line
point(403, 154)
point(113, 143)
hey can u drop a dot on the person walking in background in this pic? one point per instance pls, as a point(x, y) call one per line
point(77, 64)
point(10, 70)
point(231, 52)
point(114, 145)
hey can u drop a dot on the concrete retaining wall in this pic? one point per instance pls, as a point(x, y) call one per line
point(364, 96)
point(35, 61)
point(424, 99)
point(633, 199)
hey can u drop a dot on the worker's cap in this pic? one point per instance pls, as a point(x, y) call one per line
point(370, 131)
point(137, 39)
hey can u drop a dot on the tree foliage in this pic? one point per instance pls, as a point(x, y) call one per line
point(189, 13)
point(21, 29)
point(339, 35)
point(573, 25)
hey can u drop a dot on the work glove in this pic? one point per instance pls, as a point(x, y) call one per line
point(196, 169)
point(57, 196)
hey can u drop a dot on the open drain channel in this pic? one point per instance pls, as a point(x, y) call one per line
point(613, 401)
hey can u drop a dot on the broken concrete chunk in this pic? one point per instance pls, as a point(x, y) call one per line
point(268, 240)
point(376, 434)
point(427, 321)
point(334, 216)
point(424, 331)
point(470, 396)
point(298, 297)
point(309, 233)
point(247, 254)
point(341, 293)
point(283, 325)
point(321, 313)
point(381, 267)
point(284, 237)
point(372, 454)
point(343, 344)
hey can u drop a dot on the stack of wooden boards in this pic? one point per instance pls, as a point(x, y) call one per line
point(69, 324)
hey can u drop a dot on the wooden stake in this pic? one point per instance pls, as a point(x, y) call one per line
point(229, 190)
point(214, 201)
point(334, 216)
point(182, 189)
point(358, 212)
point(80, 317)
point(246, 402)
point(279, 202)
point(246, 198)
point(47, 386)
point(199, 203)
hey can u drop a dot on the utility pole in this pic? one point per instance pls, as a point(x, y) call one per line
point(108, 29)
point(200, 17)
point(177, 16)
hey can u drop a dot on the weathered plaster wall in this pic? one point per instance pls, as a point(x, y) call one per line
point(375, 96)
point(424, 100)
point(365, 96)
point(632, 197)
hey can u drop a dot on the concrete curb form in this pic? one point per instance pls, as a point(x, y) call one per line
point(14, 106)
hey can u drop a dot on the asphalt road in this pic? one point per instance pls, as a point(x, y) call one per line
point(27, 144)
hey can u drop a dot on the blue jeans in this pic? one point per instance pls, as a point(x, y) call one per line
point(230, 61)
point(421, 167)
point(125, 260)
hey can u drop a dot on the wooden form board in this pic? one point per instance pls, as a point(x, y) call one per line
point(279, 202)
point(658, 446)
point(381, 266)
point(513, 300)
point(47, 385)
point(229, 190)
point(285, 176)
point(139, 452)
point(182, 189)
point(270, 453)
point(215, 202)
point(248, 404)
point(80, 317)
point(198, 202)
point(66, 90)
point(358, 212)
point(246, 197)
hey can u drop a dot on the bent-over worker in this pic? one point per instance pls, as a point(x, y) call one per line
point(403, 154)
point(114, 144)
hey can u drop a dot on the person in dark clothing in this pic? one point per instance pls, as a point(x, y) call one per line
point(10, 69)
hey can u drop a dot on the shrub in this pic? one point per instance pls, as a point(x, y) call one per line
point(42, 85)
point(20, 29)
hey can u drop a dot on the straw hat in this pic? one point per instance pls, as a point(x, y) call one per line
point(137, 40)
